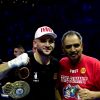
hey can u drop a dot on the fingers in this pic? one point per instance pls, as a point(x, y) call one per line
point(84, 93)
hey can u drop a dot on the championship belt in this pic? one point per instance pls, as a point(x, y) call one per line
point(16, 90)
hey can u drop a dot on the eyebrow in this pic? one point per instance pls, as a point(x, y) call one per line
point(76, 45)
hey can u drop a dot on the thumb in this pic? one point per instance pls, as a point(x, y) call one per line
point(79, 88)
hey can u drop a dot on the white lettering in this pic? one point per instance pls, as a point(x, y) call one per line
point(70, 79)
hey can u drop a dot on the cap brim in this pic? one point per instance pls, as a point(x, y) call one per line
point(52, 34)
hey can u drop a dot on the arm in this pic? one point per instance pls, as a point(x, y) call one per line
point(3, 70)
point(57, 94)
point(23, 59)
point(4, 67)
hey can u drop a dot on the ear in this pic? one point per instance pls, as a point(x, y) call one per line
point(63, 50)
point(34, 43)
point(82, 46)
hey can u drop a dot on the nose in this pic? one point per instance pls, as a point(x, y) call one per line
point(47, 43)
point(73, 48)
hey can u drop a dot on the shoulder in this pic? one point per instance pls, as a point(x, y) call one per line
point(54, 60)
point(90, 58)
point(64, 59)
point(30, 54)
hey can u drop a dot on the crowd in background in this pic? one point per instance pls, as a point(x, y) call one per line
point(19, 21)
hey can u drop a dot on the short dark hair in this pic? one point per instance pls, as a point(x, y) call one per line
point(69, 33)
point(19, 46)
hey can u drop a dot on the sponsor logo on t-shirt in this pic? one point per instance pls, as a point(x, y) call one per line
point(83, 70)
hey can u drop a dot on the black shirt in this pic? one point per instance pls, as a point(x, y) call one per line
point(40, 79)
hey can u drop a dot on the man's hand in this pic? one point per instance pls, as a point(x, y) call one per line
point(86, 94)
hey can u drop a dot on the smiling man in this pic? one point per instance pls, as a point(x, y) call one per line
point(79, 77)
point(39, 69)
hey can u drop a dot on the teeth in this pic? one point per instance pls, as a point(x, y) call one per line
point(73, 55)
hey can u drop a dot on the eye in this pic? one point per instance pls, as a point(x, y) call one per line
point(51, 41)
point(15, 51)
point(68, 46)
point(76, 45)
point(43, 40)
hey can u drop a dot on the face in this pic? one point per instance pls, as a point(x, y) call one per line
point(73, 47)
point(17, 52)
point(44, 45)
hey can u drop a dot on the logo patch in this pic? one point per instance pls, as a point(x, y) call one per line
point(83, 70)
point(35, 78)
point(70, 91)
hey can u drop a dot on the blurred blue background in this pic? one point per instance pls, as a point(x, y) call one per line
point(19, 20)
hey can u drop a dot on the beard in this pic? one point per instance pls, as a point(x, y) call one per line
point(74, 57)
point(42, 53)
point(74, 62)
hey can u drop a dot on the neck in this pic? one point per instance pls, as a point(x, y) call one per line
point(41, 59)
point(75, 62)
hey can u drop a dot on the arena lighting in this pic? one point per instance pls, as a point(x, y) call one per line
point(11, 2)
point(18, 3)
point(1, 2)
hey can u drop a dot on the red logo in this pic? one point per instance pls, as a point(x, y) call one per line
point(46, 29)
